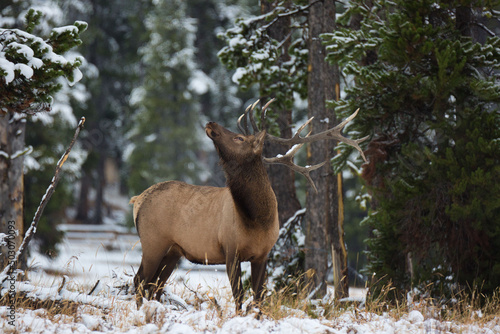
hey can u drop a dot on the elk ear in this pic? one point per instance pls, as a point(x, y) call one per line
point(259, 142)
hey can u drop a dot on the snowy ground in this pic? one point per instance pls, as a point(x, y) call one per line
point(204, 290)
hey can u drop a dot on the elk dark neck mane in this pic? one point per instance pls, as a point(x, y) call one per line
point(252, 193)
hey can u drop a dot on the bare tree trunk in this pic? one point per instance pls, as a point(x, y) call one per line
point(99, 197)
point(282, 178)
point(82, 209)
point(12, 135)
point(322, 215)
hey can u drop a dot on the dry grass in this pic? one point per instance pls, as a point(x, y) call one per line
point(464, 307)
point(216, 307)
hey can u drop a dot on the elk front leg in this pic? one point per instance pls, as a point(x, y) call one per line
point(233, 267)
point(258, 277)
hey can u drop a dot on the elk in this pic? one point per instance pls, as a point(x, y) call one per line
point(211, 225)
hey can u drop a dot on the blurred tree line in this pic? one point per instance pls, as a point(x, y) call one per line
point(424, 73)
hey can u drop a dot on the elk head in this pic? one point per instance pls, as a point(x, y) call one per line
point(234, 147)
point(297, 141)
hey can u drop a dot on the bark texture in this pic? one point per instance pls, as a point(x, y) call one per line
point(12, 134)
point(323, 233)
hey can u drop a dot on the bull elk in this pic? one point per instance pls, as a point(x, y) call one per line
point(210, 225)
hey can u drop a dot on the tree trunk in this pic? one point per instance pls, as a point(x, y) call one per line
point(82, 209)
point(12, 134)
point(463, 20)
point(322, 215)
point(99, 197)
point(282, 178)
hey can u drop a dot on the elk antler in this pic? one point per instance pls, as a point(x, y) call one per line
point(249, 111)
point(297, 141)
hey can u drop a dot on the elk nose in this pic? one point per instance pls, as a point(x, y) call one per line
point(210, 125)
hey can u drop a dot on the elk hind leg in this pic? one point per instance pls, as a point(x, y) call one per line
point(167, 266)
point(144, 280)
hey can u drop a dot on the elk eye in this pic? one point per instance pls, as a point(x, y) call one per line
point(239, 139)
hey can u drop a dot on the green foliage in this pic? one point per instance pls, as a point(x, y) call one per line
point(257, 57)
point(430, 106)
point(31, 65)
point(355, 210)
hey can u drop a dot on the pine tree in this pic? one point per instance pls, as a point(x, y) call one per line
point(164, 135)
point(218, 97)
point(422, 76)
point(29, 69)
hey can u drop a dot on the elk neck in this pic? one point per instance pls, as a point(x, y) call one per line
point(252, 193)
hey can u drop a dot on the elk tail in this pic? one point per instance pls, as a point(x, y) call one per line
point(132, 200)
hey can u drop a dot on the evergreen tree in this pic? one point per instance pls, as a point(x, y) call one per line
point(29, 69)
point(424, 76)
point(218, 96)
point(165, 130)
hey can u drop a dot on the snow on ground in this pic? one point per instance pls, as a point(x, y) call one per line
point(203, 290)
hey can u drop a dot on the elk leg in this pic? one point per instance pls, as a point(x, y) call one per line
point(139, 285)
point(145, 277)
point(258, 277)
point(233, 267)
point(165, 269)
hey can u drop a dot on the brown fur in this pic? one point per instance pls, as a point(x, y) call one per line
point(210, 225)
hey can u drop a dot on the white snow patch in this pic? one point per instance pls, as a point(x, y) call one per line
point(77, 76)
point(415, 317)
point(238, 74)
point(150, 138)
point(7, 67)
point(25, 70)
point(200, 83)
point(61, 30)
